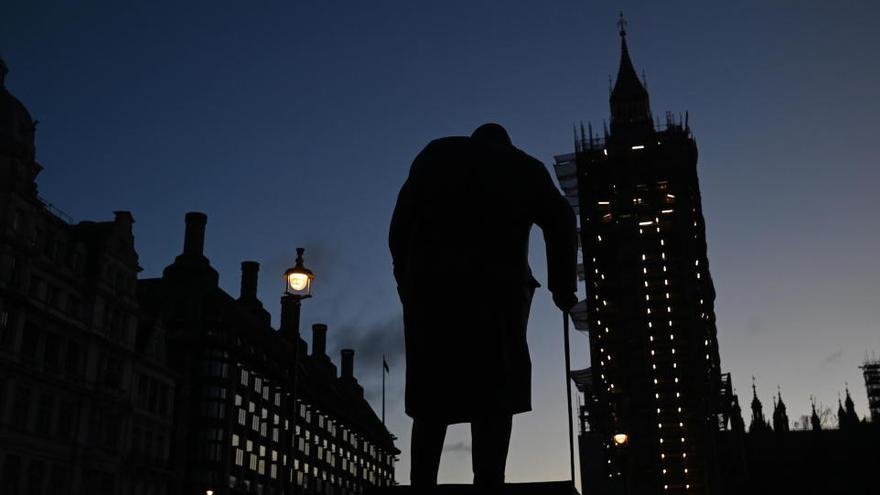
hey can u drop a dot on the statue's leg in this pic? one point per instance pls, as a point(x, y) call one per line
point(491, 439)
point(427, 445)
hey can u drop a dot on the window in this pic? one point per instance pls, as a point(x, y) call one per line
point(6, 329)
point(67, 413)
point(21, 406)
point(71, 363)
point(51, 354)
point(29, 342)
point(44, 414)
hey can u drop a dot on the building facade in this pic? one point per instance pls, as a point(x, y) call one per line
point(871, 370)
point(110, 384)
point(654, 398)
point(85, 397)
point(255, 412)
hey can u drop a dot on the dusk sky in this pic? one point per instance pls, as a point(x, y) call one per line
point(294, 124)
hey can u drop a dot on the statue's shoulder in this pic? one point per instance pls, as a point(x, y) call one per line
point(449, 144)
point(440, 151)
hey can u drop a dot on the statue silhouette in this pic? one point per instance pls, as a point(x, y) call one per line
point(459, 241)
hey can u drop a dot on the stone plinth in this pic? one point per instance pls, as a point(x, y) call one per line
point(542, 488)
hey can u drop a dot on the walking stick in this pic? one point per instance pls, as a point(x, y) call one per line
point(568, 393)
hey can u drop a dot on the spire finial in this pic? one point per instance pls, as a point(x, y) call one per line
point(621, 23)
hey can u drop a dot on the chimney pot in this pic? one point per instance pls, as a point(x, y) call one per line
point(249, 272)
point(347, 364)
point(123, 217)
point(194, 239)
point(319, 339)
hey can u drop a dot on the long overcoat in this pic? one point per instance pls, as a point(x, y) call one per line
point(459, 241)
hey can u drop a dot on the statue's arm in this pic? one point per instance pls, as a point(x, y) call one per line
point(559, 225)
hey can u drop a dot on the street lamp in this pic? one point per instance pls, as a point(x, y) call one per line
point(297, 286)
point(298, 280)
point(621, 458)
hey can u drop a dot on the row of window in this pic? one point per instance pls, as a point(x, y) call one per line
point(40, 413)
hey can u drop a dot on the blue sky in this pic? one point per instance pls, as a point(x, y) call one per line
point(294, 124)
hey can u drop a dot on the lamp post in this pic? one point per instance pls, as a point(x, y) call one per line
point(621, 441)
point(297, 287)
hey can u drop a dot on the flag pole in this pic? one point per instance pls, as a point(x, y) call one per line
point(568, 392)
point(383, 388)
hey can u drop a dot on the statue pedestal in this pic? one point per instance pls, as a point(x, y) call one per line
point(542, 488)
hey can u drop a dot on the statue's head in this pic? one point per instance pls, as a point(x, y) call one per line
point(492, 133)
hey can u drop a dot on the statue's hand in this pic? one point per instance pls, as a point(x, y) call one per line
point(565, 300)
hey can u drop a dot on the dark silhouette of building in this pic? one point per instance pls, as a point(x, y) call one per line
point(244, 422)
point(780, 416)
point(85, 396)
point(169, 385)
point(871, 370)
point(812, 459)
point(758, 422)
point(656, 399)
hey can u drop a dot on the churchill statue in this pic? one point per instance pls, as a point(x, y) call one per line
point(459, 241)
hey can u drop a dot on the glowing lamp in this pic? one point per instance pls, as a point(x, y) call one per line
point(298, 280)
point(620, 439)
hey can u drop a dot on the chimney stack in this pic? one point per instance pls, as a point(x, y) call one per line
point(123, 217)
point(249, 272)
point(194, 239)
point(319, 340)
point(347, 364)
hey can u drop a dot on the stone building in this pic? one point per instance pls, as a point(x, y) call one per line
point(255, 412)
point(85, 396)
point(160, 386)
